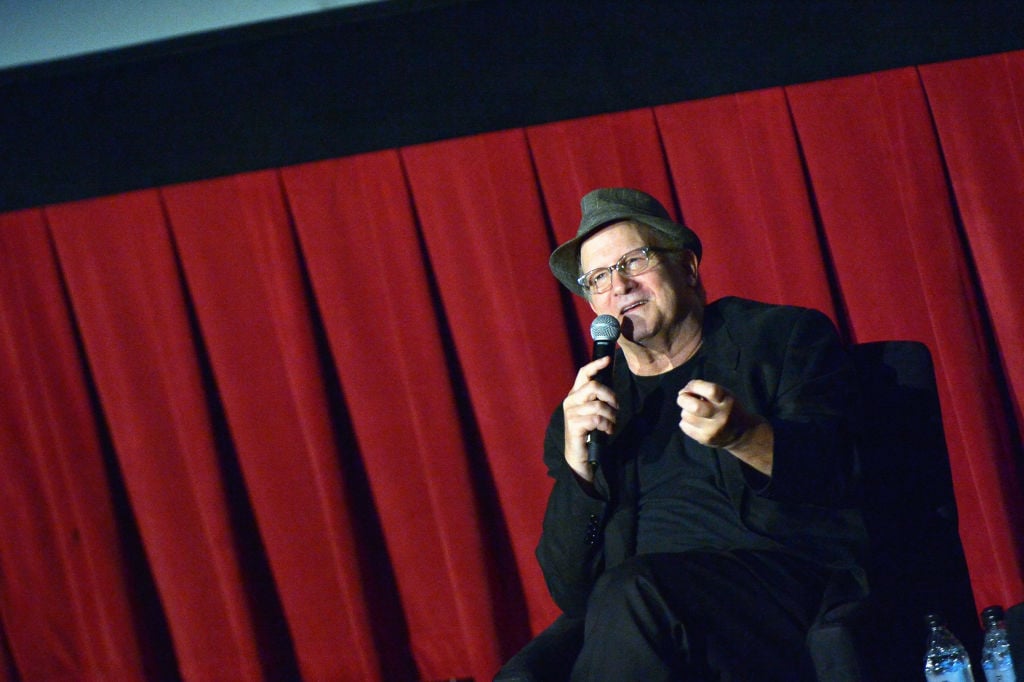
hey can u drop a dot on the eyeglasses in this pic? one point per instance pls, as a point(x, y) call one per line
point(632, 263)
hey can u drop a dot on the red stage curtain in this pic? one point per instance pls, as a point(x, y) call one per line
point(66, 578)
point(287, 424)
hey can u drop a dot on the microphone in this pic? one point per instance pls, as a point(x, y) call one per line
point(604, 330)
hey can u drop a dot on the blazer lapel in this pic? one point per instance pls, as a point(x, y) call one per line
point(722, 358)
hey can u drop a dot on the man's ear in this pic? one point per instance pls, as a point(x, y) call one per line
point(691, 264)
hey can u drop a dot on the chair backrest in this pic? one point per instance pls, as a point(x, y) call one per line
point(917, 562)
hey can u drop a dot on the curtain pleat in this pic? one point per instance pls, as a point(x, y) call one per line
point(374, 290)
point(239, 258)
point(65, 593)
point(125, 288)
point(742, 187)
point(986, 168)
point(288, 424)
point(484, 232)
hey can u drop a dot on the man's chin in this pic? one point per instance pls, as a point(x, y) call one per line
point(632, 331)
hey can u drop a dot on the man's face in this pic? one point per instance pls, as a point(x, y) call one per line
point(648, 305)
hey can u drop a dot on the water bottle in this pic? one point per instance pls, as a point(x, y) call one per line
point(995, 652)
point(945, 659)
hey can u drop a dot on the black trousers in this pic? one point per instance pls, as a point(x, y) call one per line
point(702, 615)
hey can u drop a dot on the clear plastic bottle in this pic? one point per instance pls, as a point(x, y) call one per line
point(945, 658)
point(996, 660)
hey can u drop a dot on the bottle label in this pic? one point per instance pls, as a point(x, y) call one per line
point(1000, 676)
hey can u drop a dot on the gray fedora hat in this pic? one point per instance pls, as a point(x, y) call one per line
point(601, 208)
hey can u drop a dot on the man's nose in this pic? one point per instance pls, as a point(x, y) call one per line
point(620, 282)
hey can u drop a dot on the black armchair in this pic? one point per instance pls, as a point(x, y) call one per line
point(916, 562)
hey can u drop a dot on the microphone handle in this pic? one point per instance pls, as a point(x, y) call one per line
point(595, 446)
point(596, 439)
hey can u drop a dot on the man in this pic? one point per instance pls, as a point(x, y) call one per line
point(704, 542)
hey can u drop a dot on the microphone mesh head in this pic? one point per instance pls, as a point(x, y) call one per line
point(604, 328)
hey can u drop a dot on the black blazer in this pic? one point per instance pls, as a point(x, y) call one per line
point(782, 362)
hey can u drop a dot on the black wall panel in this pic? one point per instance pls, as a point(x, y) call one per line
point(398, 73)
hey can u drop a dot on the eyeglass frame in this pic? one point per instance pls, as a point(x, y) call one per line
point(619, 265)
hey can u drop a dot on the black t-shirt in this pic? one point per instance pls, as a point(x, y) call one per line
point(683, 502)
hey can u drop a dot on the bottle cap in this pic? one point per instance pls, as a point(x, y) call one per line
point(934, 620)
point(991, 614)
